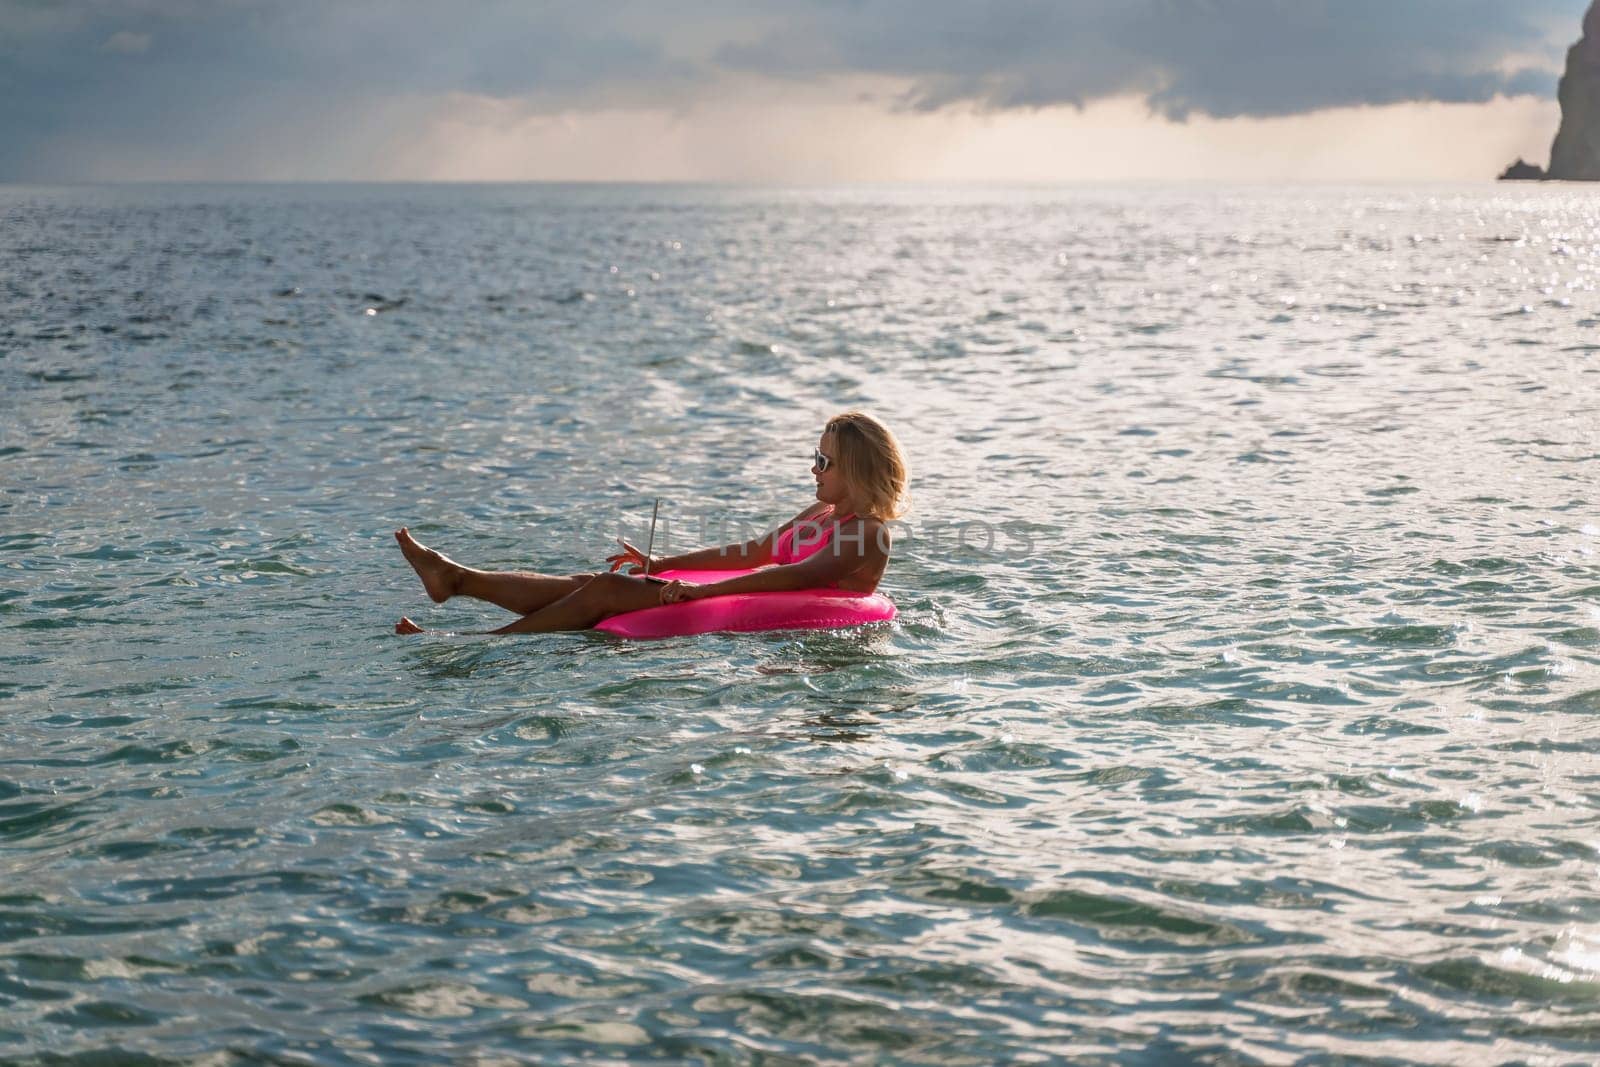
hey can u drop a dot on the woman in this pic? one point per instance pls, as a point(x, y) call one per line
point(841, 541)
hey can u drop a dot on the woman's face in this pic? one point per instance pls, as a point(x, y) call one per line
point(830, 483)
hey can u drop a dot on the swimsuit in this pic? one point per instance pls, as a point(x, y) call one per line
point(785, 551)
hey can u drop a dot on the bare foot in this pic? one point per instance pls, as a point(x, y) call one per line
point(441, 576)
point(406, 626)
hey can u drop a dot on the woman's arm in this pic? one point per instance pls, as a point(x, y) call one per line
point(861, 546)
point(757, 553)
point(749, 554)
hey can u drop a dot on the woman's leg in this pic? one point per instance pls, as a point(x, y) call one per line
point(601, 596)
point(444, 578)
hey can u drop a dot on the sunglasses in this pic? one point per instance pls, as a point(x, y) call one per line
point(820, 462)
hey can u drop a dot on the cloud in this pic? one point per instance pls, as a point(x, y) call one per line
point(235, 66)
point(146, 88)
point(127, 43)
point(1222, 58)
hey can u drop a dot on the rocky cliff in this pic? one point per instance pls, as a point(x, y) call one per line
point(1522, 172)
point(1575, 155)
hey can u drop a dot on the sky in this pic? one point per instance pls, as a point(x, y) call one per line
point(791, 91)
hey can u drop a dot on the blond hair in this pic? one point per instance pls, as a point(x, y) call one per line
point(871, 462)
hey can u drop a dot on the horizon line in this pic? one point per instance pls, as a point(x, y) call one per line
point(1032, 183)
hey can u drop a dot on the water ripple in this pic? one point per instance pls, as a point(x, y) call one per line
point(1241, 705)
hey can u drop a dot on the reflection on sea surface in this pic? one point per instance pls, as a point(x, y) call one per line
point(1261, 729)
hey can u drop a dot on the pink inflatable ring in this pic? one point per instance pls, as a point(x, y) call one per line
point(800, 609)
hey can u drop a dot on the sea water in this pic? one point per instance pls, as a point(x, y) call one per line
point(1242, 705)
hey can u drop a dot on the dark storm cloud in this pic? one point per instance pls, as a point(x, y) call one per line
point(82, 80)
point(1218, 57)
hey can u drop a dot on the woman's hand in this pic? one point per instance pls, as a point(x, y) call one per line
point(631, 557)
point(680, 592)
